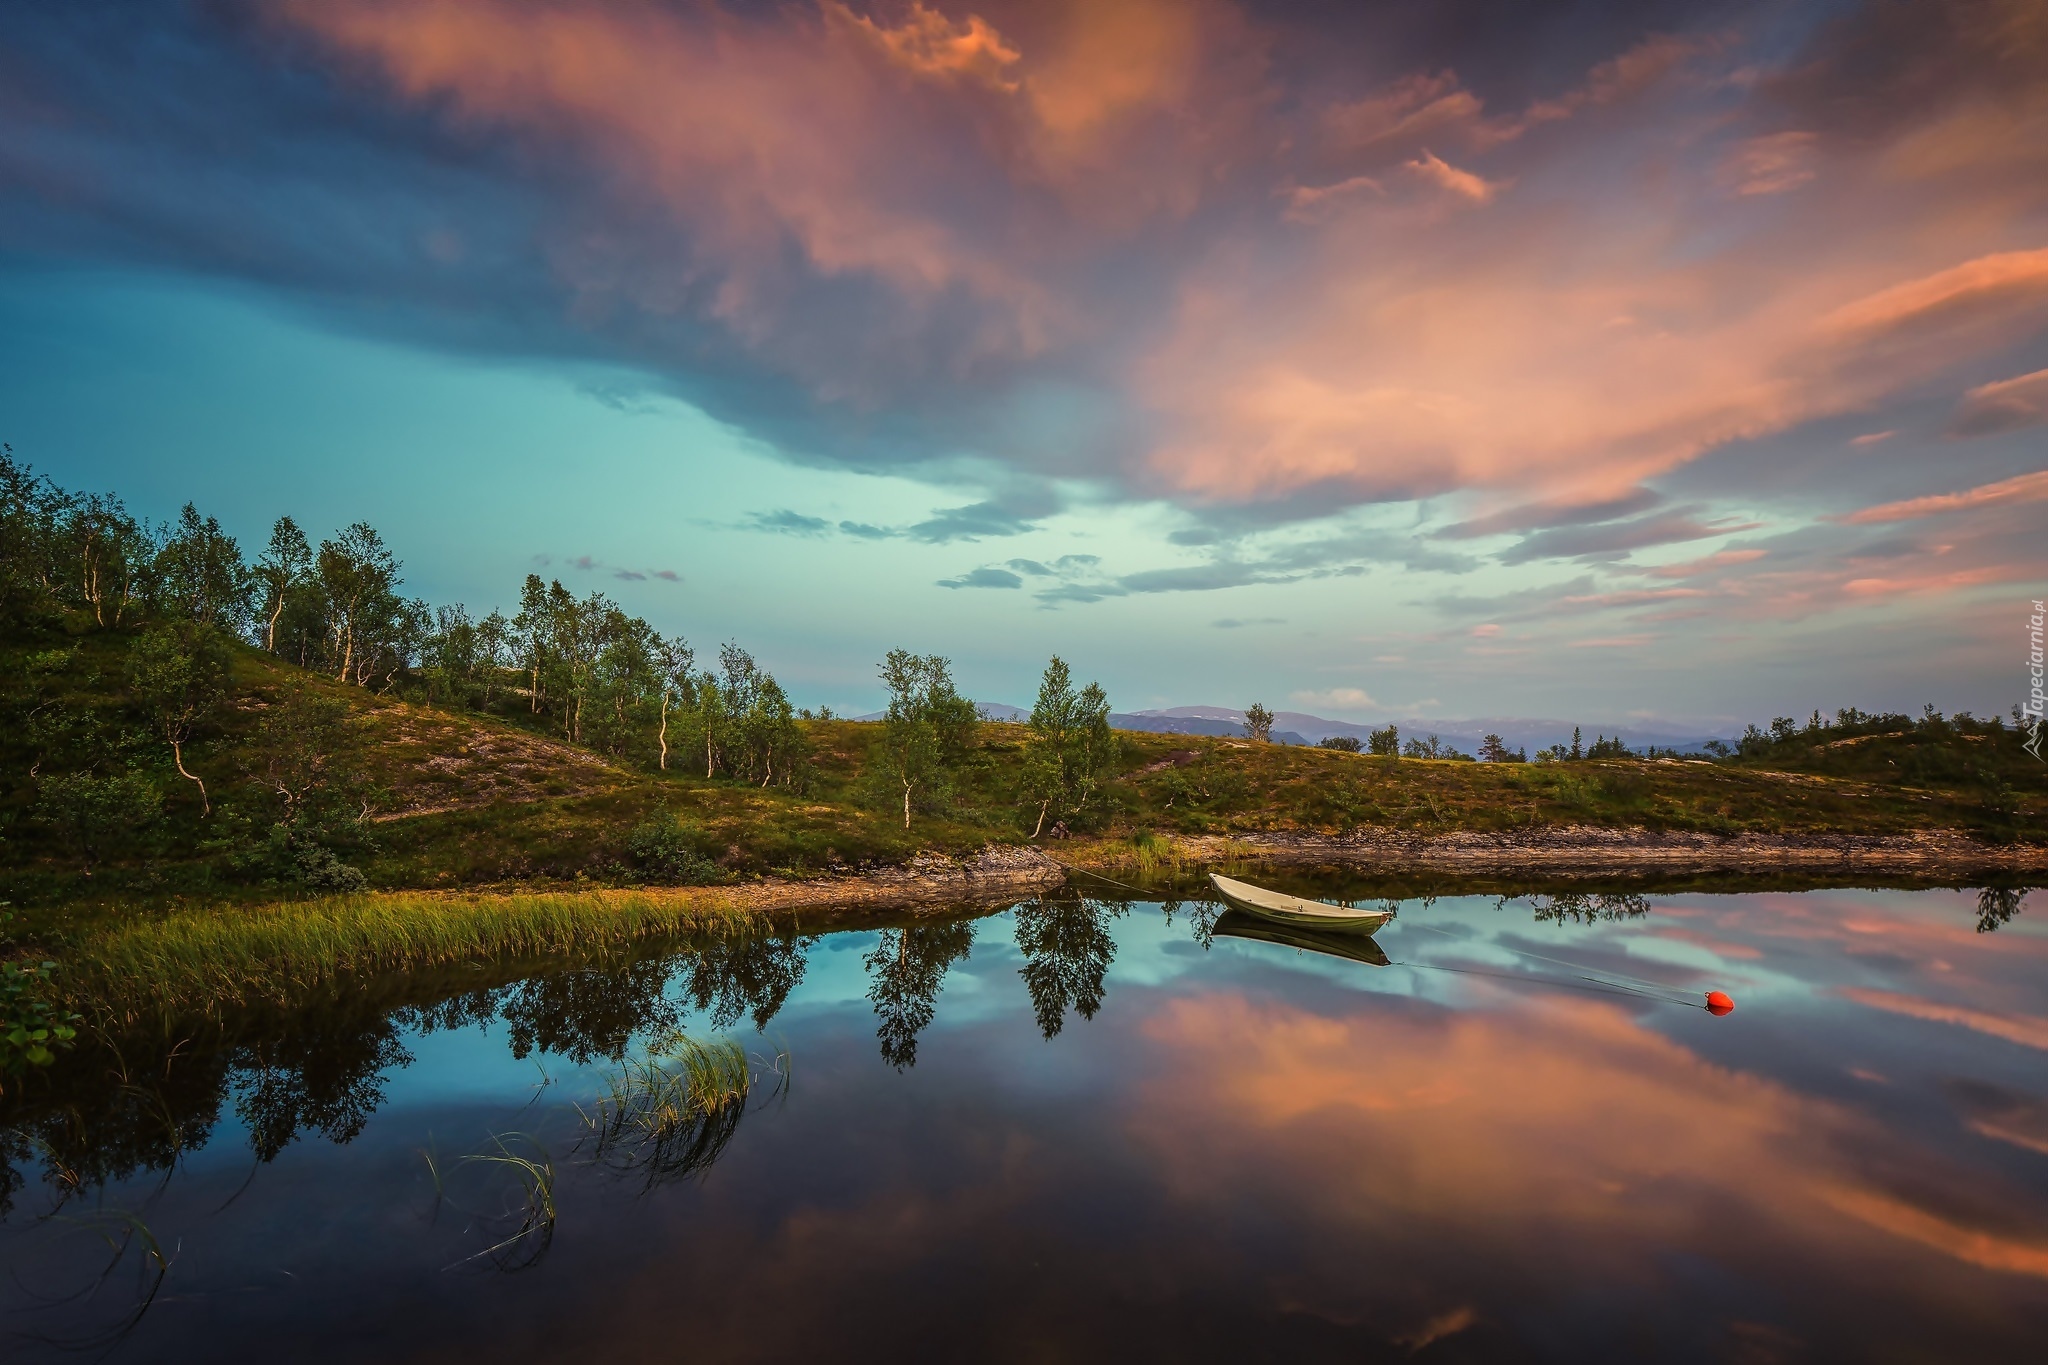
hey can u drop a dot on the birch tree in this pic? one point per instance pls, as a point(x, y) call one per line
point(1070, 746)
point(675, 663)
point(358, 579)
point(178, 671)
point(928, 728)
point(200, 573)
point(283, 569)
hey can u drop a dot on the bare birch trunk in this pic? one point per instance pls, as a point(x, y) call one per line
point(178, 761)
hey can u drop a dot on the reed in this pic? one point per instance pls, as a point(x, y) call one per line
point(205, 961)
point(528, 1218)
point(669, 1113)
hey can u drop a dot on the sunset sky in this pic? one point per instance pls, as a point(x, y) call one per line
point(1631, 362)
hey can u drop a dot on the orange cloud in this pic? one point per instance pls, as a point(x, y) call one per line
point(2006, 405)
point(928, 42)
point(1771, 164)
point(1972, 1245)
point(2026, 1030)
point(1464, 184)
point(1999, 284)
point(968, 178)
point(1553, 1119)
point(2020, 488)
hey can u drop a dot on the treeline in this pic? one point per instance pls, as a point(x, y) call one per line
point(928, 742)
point(172, 598)
point(1930, 749)
point(581, 667)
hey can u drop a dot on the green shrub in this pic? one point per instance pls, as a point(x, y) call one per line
point(95, 817)
point(662, 853)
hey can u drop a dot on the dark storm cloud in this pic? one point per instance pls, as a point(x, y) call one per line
point(892, 238)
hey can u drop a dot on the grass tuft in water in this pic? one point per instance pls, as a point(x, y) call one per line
point(669, 1113)
point(528, 1218)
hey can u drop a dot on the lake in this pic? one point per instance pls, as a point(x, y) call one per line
point(1084, 1129)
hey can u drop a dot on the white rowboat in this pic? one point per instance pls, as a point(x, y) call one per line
point(1284, 909)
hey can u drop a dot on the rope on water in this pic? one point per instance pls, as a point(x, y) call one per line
point(1099, 877)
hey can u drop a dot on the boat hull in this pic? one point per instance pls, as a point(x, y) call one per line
point(1293, 910)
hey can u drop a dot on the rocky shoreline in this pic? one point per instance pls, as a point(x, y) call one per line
point(1582, 849)
point(1002, 872)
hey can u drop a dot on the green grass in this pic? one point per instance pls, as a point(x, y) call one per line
point(205, 961)
point(472, 801)
point(669, 1113)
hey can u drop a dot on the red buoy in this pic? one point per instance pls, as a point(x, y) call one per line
point(1719, 1003)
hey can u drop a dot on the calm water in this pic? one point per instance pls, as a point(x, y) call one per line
point(1082, 1130)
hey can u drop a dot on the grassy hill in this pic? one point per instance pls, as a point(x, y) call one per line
point(451, 798)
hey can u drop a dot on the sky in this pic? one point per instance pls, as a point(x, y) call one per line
point(1663, 363)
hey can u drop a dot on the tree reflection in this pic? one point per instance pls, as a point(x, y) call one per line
point(735, 976)
point(1580, 907)
point(325, 1080)
point(1997, 905)
point(1067, 949)
point(119, 1107)
point(908, 967)
point(585, 1015)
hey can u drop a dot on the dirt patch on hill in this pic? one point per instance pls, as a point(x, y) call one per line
point(433, 763)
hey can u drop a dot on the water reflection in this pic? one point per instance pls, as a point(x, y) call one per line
point(326, 1078)
point(125, 1106)
point(1354, 947)
point(1579, 907)
point(908, 968)
point(1997, 905)
point(1067, 951)
point(1855, 1163)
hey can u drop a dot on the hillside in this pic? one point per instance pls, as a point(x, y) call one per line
point(444, 797)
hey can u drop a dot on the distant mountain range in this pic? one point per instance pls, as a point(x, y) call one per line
point(1299, 727)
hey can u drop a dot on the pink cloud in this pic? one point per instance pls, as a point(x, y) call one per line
point(2025, 1030)
point(2000, 284)
point(1441, 173)
point(1472, 1117)
point(2007, 405)
point(1692, 568)
point(2020, 488)
point(972, 176)
point(1771, 164)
